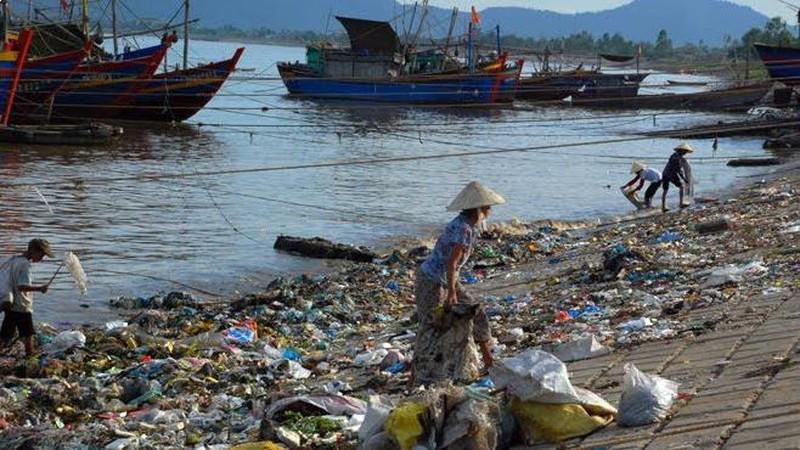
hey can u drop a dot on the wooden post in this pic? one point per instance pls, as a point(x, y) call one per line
point(185, 34)
point(114, 26)
point(747, 66)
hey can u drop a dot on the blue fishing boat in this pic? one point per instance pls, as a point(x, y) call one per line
point(782, 63)
point(378, 68)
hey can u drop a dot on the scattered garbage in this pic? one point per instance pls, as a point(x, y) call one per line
point(645, 398)
point(583, 348)
point(732, 274)
point(286, 367)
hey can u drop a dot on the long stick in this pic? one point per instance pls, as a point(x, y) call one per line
point(55, 274)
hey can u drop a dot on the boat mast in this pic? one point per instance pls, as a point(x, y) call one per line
point(114, 26)
point(469, 48)
point(421, 22)
point(30, 11)
point(85, 18)
point(5, 22)
point(185, 34)
point(453, 19)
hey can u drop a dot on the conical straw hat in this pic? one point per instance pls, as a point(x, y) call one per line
point(637, 166)
point(475, 195)
point(685, 147)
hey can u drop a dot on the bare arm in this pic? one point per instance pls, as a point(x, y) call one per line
point(452, 273)
point(26, 288)
point(631, 183)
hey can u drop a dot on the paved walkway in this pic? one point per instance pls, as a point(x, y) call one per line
point(743, 379)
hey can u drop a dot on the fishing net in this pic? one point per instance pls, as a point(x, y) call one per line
point(75, 268)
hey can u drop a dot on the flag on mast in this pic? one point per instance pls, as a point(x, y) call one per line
point(474, 17)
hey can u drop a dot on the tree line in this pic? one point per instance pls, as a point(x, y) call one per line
point(776, 31)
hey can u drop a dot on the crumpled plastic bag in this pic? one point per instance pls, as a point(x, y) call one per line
point(584, 348)
point(535, 376)
point(378, 410)
point(645, 398)
point(556, 423)
point(733, 274)
point(404, 424)
point(65, 341)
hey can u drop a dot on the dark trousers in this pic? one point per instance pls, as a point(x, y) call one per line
point(651, 192)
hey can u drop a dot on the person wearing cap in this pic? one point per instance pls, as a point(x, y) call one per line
point(437, 281)
point(17, 294)
point(677, 172)
point(644, 173)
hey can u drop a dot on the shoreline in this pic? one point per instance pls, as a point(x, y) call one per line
point(214, 367)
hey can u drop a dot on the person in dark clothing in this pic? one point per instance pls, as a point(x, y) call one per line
point(677, 172)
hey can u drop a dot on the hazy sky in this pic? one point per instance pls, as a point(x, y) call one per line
point(771, 8)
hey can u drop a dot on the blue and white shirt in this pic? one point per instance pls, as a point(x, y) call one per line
point(458, 231)
point(651, 175)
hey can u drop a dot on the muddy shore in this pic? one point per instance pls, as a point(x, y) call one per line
point(203, 375)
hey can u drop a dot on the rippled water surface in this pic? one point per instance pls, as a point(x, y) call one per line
point(216, 232)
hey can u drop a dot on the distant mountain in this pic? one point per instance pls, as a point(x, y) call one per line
point(685, 20)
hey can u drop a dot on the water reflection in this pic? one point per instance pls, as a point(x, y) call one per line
point(216, 232)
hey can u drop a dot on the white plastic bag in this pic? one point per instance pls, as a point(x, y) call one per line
point(584, 348)
point(65, 341)
point(378, 410)
point(535, 376)
point(645, 399)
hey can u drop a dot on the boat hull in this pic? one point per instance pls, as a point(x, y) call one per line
point(782, 63)
point(737, 99)
point(176, 96)
point(103, 90)
point(422, 90)
point(584, 84)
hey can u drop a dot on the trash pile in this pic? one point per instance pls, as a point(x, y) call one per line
point(323, 361)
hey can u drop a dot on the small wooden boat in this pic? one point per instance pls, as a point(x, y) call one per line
point(687, 83)
point(735, 99)
point(579, 83)
point(85, 134)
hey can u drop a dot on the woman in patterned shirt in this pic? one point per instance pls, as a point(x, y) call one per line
point(437, 282)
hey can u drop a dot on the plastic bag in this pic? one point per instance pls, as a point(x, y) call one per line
point(404, 424)
point(65, 341)
point(584, 348)
point(535, 376)
point(377, 412)
point(646, 398)
point(558, 422)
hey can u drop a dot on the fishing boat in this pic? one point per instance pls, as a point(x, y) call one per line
point(102, 89)
point(782, 63)
point(13, 56)
point(377, 68)
point(42, 78)
point(124, 85)
point(178, 95)
point(549, 84)
point(731, 100)
point(579, 84)
point(687, 83)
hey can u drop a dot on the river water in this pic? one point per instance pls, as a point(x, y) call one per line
point(216, 232)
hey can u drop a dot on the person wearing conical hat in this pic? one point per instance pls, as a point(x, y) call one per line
point(437, 282)
point(644, 173)
point(678, 171)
